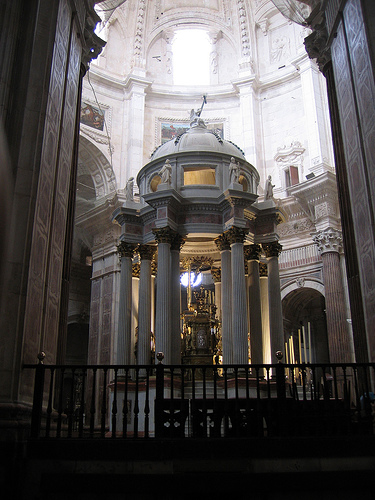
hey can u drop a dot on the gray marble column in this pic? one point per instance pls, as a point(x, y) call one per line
point(272, 251)
point(126, 251)
point(226, 298)
point(236, 237)
point(252, 255)
point(164, 238)
point(146, 253)
point(176, 245)
point(329, 243)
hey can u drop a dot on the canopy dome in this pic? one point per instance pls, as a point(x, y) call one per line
point(198, 138)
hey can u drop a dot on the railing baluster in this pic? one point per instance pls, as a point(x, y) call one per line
point(60, 404)
point(204, 404)
point(92, 406)
point(49, 407)
point(136, 404)
point(147, 404)
point(104, 404)
point(70, 408)
point(36, 416)
point(82, 405)
point(114, 407)
point(226, 416)
point(335, 382)
point(171, 404)
point(125, 409)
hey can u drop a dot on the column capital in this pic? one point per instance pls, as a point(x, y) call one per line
point(263, 270)
point(328, 240)
point(252, 252)
point(236, 235)
point(136, 270)
point(146, 252)
point(126, 249)
point(222, 242)
point(316, 47)
point(164, 235)
point(272, 249)
point(177, 242)
point(216, 275)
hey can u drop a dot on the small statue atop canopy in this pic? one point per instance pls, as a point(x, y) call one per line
point(129, 196)
point(195, 119)
point(234, 171)
point(268, 190)
point(166, 173)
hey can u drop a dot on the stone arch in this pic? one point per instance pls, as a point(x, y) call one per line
point(296, 284)
point(166, 31)
point(92, 163)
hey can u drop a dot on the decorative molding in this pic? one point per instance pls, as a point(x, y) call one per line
point(300, 282)
point(139, 34)
point(244, 30)
point(197, 263)
point(136, 270)
point(291, 228)
point(316, 47)
point(216, 275)
point(290, 155)
point(263, 270)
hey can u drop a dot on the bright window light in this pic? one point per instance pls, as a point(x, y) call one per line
point(195, 279)
point(191, 57)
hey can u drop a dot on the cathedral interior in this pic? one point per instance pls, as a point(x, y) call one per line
point(191, 184)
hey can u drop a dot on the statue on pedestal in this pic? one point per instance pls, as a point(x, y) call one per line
point(166, 173)
point(268, 190)
point(129, 196)
point(234, 171)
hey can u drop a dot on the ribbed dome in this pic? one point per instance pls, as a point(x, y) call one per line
point(198, 138)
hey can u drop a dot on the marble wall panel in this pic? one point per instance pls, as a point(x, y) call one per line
point(43, 214)
point(62, 194)
point(356, 102)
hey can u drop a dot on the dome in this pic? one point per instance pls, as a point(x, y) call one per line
point(198, 138)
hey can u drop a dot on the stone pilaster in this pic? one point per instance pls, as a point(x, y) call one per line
point(272, 251)
point(126, 252)
point(236, 238)
point(252, 255)
point(164, 238)
point(223, 245)
point(146, 253)
point(329, 242)
point(176, 246)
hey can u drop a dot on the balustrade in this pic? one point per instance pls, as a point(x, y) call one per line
point(205, 401)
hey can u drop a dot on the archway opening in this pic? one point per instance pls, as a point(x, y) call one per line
point(305, 326)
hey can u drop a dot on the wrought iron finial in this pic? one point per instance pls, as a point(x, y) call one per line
point(41, 356)
point(279, 356)
point(160, 357)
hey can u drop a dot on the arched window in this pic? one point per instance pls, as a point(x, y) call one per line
point(191, 57)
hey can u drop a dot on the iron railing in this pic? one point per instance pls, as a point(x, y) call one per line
point(204, 401)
